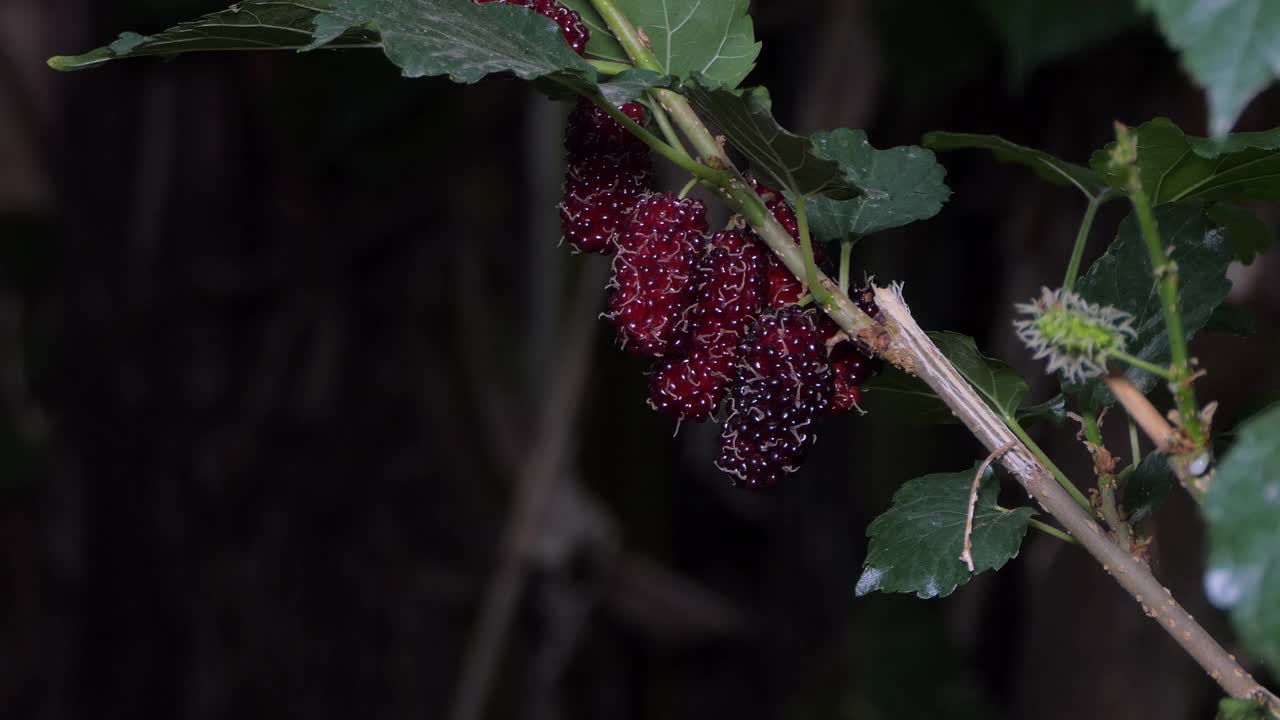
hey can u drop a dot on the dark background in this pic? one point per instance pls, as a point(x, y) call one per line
point(288, 356)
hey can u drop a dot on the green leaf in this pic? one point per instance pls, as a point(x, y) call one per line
point(460, 39)
point(1147, 487)
point(1242, 510)
point(1048, 167)
point(1035, 33)
point(715, 40)
point(1175, 166)
point(249, 25)
point(1000, 384)
point(782, 159)
point(1122, 278)
point(916, 545)
point(632, 84)
point(1238, 709)
point(457, 38)
point(1230, 47)
point(688, 37)
point(899, 186)
point(1248, 235)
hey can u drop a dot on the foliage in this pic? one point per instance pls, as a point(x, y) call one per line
point(1048, 167)
point(900, 186)
point(1147, 487)
point(1122, 278)
point(1175, 166)
point(249, 25)
point(715, 40)
point(1243, 513)
point(1230, 47)
point(916, 545)
point(783, 159)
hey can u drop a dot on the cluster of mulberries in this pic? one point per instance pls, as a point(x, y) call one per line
point(719, 316)
point(717, 312)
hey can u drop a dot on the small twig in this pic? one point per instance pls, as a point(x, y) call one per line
point(1141, 410)
point(967, 554)
point(1051, 531)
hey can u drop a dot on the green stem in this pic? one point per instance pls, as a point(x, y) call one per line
point(627, 34)
point(1092, 432)
point(1108, 486)
point(1082, 239)
point(1052, 531)
point(846, 250)
point(820, 294)
point(608, 67)
point(695, 168)
point(708, 148)
point(688, 187)
point(1121, 533)
point(1134, 445)
point(1166, 275)
point(1058, 475)
point(1141, 364)
point(1044, 528)
point(664, 123)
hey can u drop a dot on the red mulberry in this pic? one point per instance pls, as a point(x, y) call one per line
point(730, 293)
point(784, 386)
point(591, 131)
point(654, 274)
point(608, 173)
point(784, 287)
point(850, 366)
point(600, 192)
point(692, 387)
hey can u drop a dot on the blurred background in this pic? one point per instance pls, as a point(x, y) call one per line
point(303, 413)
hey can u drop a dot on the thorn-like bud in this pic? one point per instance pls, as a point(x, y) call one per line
point(1076, 335)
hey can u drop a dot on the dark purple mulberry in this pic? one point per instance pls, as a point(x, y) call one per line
point(784, 385)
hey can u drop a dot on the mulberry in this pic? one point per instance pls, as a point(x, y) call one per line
point(784, 385)
point(730, 293)
point(608, 173)
point(600, 192)
point(654, 274)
